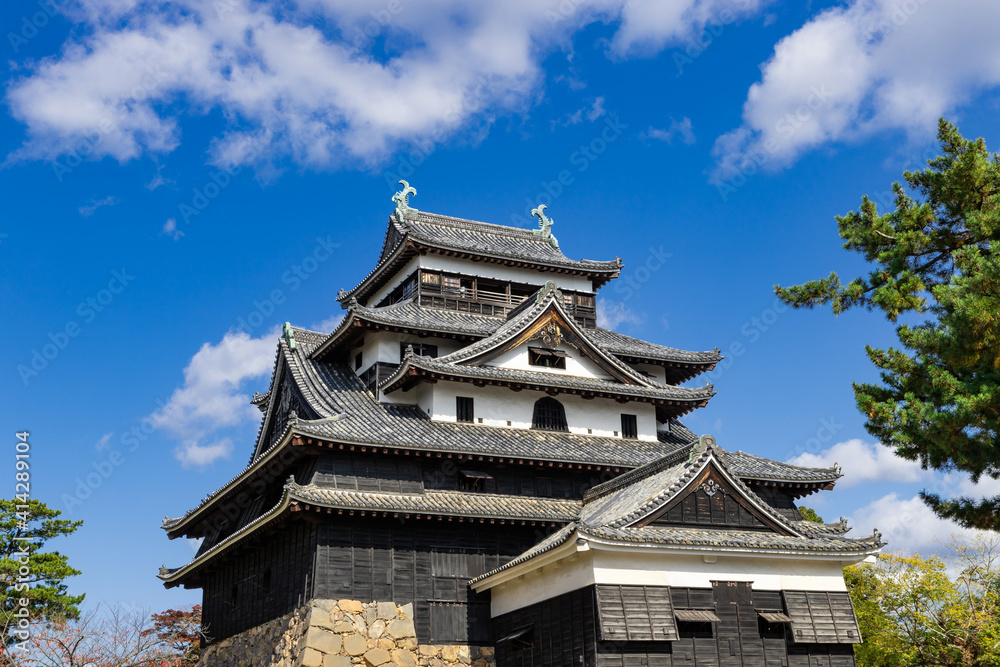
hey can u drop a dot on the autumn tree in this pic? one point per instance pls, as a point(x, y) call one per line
point(27, 571)
point(911, 613)
point(181, 631)
point(935, 263)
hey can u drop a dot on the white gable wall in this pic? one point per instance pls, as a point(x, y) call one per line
point(501, 272)
point(576, 364)
point(498, 405)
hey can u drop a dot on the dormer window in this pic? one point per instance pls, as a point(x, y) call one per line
point(549, 415)
point(540, 356)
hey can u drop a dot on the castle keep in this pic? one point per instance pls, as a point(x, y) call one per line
point(469, 470)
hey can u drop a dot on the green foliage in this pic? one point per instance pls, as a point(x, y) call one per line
point(809, 514)
point(43, 586)
point(936, 256)
point(912, 613)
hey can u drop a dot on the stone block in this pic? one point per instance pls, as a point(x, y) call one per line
point(400, 628)
point(352, 606)
point(337, 661)
point(406, 611)
point(426, 649)
point(323, 640)
point(343, 626)
point(376, 629)
point(310, 658)
point(404, 658)
point(355, 644)
point(386, 610)
point(376, 657)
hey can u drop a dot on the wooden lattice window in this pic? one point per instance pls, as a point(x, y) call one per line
point(465, 410)
point(549, 415)
point(540, 356)
point(630, 428)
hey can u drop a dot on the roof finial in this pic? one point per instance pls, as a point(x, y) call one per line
point(544, 225)
point(408, 352)
point(402, 200)
point(288, 335)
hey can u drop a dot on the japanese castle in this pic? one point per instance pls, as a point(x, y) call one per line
point(472, 454)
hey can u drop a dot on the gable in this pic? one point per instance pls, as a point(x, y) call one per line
point(711, 501)
point(563, 360)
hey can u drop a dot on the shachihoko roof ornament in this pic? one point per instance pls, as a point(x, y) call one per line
point(544, 225)
point(288, 335)
point(402, 200)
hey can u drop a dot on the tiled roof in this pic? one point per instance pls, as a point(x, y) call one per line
point(724, 539)
point(633, 347)
point(448, 503)
point(486, 241)
point(543, 380)
point(648, 488)
point(759, 468)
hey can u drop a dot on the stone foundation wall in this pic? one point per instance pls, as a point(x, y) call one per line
point(340, 633)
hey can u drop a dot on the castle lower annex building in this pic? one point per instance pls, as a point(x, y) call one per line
point(469, 470)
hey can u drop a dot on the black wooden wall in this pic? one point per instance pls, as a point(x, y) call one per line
point(262, 582)
point(427, 562)
point(572, 629)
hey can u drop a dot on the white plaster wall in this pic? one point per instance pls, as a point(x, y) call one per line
point(384, 346)
point(658, 372)
point(576, 364)
point(500, 272)
point(498, 405)
point(598, 566)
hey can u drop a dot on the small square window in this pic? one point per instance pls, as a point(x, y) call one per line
point(464, 409)
point(630, 428)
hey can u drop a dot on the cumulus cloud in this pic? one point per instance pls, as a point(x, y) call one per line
point(329, 324)
point(213, 395)
point(170, 229)
point(611, 314)
point(312, 81)
point(864, 462)
point(906, 524)
point(853, 70)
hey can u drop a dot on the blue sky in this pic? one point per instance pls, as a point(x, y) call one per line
point(181, 178)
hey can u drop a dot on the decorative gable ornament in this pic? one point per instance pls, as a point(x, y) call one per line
point(402, 201)
point(550, 334)
point(711, 487)
point(544, 230)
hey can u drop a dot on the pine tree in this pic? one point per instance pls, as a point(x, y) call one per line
point(935, 258)
point(28, 572)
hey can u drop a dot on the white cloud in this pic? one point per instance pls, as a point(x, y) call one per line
point(870, 66)
point(907, 525)
point(305, 81)
point(212, 396)
point(864, 462)
point(193, 455)
point(610, 314)
point(170, 229)
point(680, 129)
point(89, 209)
point(329, 324)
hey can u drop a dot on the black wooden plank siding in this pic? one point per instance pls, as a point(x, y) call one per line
point(577, 629)
point(261, 583)
point(720, 509)
point(427, 563)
